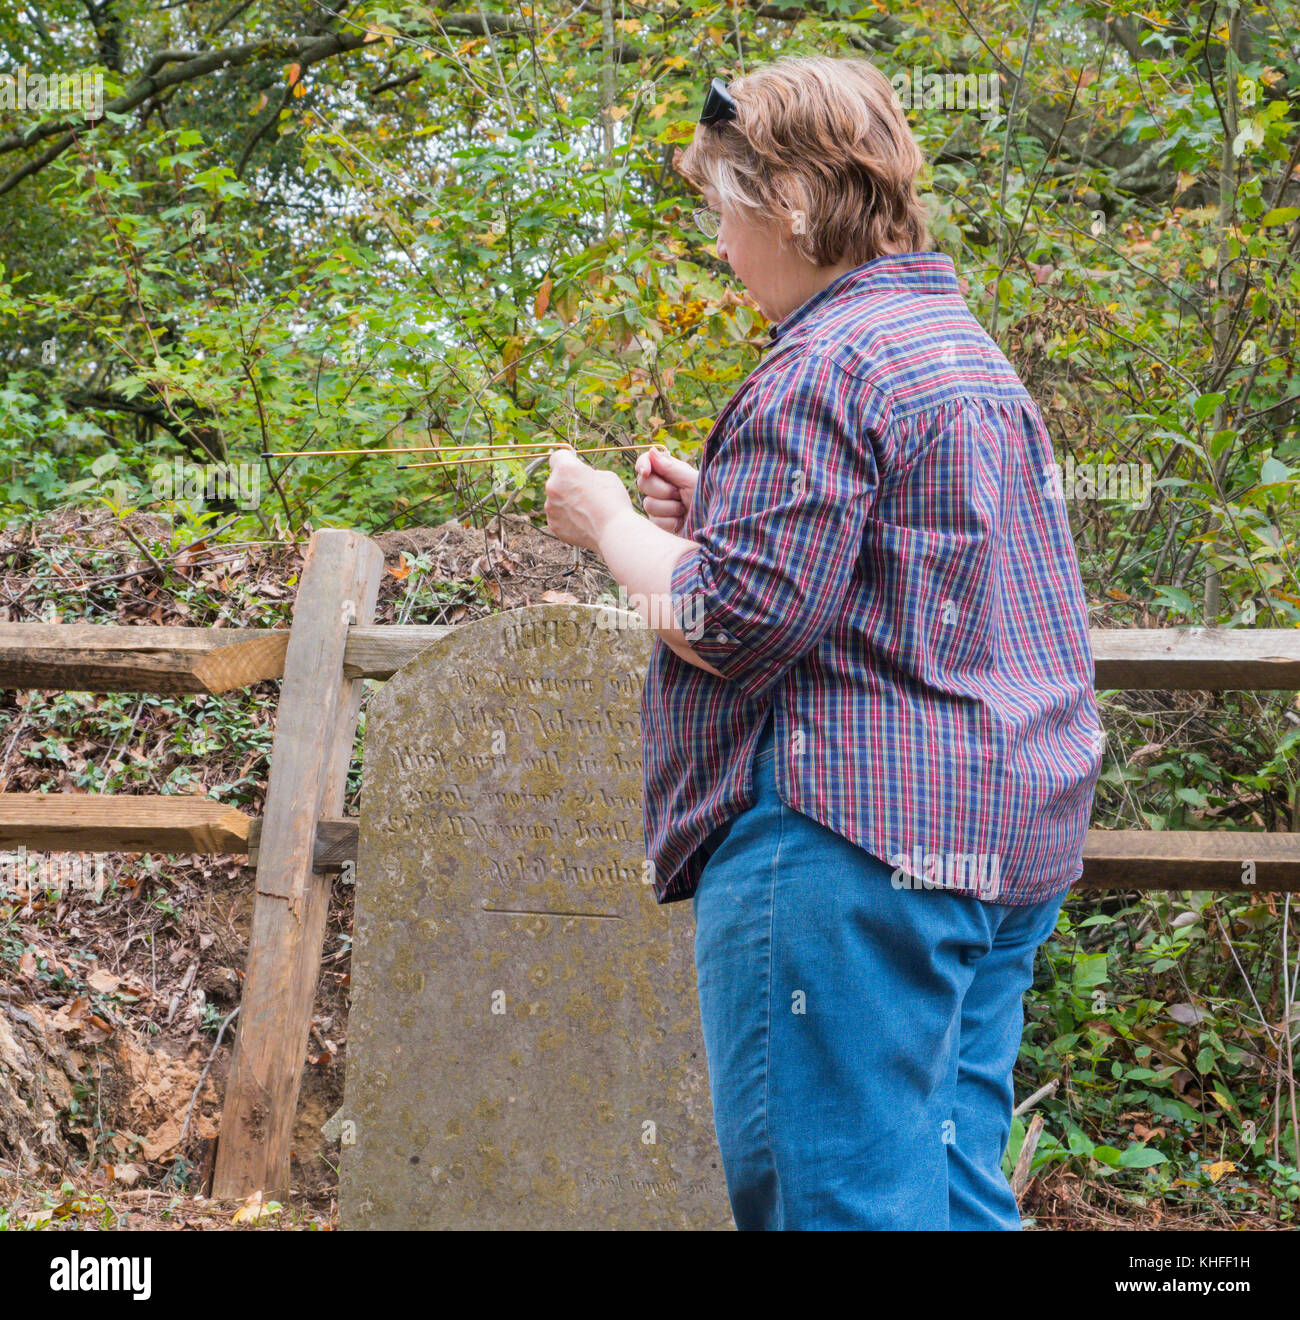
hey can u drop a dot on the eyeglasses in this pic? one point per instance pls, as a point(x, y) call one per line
point(719, 106)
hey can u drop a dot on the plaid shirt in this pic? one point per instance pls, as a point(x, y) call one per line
point(881, 559)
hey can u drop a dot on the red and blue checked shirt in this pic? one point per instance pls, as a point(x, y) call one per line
point(881, 559)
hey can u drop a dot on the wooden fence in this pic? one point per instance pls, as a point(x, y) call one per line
point(303, 837)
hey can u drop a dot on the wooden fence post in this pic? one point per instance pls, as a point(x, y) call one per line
point(314, 732)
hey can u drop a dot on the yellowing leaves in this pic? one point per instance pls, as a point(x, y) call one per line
point(682, 131)
point(682, 317)
point(510, 352)
point(254, 1210)
point(1216, 1170)
point(660, 110)
point(543, 299)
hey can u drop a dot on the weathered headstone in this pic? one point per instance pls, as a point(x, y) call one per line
point(524, 1047)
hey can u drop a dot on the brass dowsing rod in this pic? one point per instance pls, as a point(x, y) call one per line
point(433, 449)
point(499, 458)
point(406, 449)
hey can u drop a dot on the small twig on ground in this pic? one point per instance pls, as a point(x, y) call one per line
point(1020, 1176)
point(203, 1076)
point(142, 548)
point(1041, 1094)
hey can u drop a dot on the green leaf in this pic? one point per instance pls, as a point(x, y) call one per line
point(1219, 442)
point(1287, 741)
point(1079, 1142)
point(1279, 215)
point(1175, 597)
point(1205, 405)
point(1141, 1157)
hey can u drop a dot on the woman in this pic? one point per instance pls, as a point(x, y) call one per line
point(870, 736)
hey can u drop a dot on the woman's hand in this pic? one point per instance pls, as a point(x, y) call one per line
point(581, 499)
point(667, 486)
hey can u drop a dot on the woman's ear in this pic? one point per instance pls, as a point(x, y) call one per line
point(789, 227)
point(795, 221)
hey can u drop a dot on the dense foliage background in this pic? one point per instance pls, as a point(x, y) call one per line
point(305, 226)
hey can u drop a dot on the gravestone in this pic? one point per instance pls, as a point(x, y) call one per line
point(524, 1046)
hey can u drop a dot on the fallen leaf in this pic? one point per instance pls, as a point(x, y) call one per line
point(161, 1140)
point(69, 1017)
point(254, 1210)
point(1148, 749)
point(1218, 1169)
point(103, 981)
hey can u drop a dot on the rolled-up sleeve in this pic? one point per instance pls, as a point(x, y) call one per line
point(786, 494)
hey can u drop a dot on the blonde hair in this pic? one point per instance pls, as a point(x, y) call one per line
point(823, 142)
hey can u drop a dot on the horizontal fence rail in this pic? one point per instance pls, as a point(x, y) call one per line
point(75, 657)
point(92, 657)
point(116, 822)
point(1218, 859)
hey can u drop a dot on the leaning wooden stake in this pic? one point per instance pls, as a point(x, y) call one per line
point(314, 732)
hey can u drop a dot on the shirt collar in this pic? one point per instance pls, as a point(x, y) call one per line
point(916, 272)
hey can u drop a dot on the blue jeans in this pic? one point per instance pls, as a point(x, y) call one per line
point(860, 1037)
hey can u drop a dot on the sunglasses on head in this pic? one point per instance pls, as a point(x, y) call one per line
point(719, 107)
